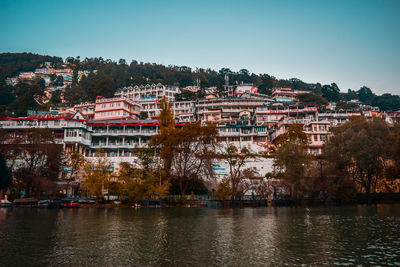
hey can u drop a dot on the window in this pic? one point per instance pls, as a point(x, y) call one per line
point(103, 106)
point(110, 113)
point(118, 104)
point(117, 113)
point(323, 137)
point(103, 114)
point(315, 137)
point(111, 105)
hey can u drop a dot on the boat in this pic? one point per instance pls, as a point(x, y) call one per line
point(72, 204)
point(4, 203)
point(44, 203)
point(25, 202)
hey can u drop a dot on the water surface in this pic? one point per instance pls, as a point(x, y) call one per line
point(290, 236)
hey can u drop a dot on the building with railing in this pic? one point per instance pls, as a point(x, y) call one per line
point(225, 111)
point(142, 92)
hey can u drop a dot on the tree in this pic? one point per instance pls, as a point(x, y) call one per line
point(144, 115)
point(6, 93)
point(291, 158)
point(163, 141)
point(193, 147)
point(186, 95)
point(331, 92)
point(139, 183)
point(97, 177)
point(224, 190)
point(25, 98)
point(35, 160)
point(386, 102)
point(42, 83)
point(59, 81)
point(5, 176)
point(343, 105)
point(56, 97)
point(365, 95)
point(76, 162)
point(393, 149)
point(313, 99)
point(358, 149)
point(236, 160)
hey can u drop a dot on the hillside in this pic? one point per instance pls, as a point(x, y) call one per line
point(112, 75)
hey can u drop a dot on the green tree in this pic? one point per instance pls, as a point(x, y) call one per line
point(331, 92)
point(144, 115)
point(357, 148)
point(313, 99)
point(386, 102)
point(59, 81)
point(365, 95)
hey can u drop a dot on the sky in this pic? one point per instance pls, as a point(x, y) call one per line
point(350, 42)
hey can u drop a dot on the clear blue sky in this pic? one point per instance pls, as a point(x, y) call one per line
point(352, 43)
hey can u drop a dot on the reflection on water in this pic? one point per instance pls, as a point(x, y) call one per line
point(250, 236)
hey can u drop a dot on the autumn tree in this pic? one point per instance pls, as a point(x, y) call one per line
point(138, 183)
point(186, 152)
point(75, 163)
point(97, 177)
point(224, 190)
point(163, 141)
point(357, 148)
point(291, 159)
point(193, 152)
point(393, 149)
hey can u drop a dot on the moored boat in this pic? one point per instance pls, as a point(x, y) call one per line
point(44, 203)
point(25, 202)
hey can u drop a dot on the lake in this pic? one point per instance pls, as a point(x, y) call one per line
point(345, 235)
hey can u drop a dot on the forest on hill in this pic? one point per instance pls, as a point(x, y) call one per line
point(111, 75)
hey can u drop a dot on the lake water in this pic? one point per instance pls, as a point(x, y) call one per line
point(318, 236)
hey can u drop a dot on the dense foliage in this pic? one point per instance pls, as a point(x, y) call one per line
point(111, 75)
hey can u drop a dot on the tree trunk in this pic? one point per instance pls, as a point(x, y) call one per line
point(368, 192)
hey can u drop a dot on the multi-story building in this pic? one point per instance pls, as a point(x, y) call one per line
point(270, 115)
point(226, 111)
point(184, 111)
point(286, 94)
point(116, 108)
point(317, 131)
point(69, 131)
point(153, 91)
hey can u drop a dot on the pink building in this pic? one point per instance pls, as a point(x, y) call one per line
point(116, 108)
point(285, 94)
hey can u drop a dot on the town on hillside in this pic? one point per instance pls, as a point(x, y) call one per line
point(114, 128)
